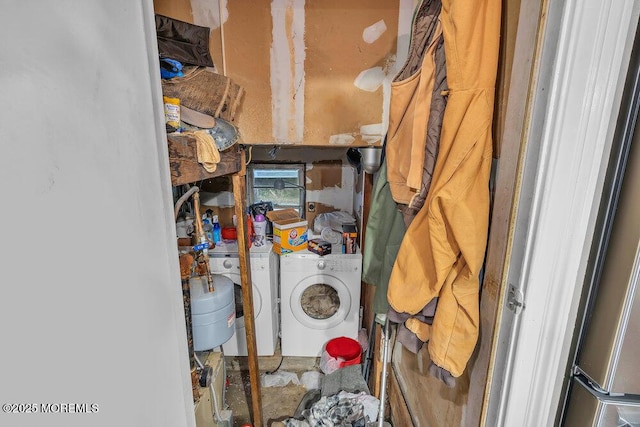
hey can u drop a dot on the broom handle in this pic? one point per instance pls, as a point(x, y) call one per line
point(385, 356)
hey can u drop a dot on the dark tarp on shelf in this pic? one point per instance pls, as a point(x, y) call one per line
point(182, 41)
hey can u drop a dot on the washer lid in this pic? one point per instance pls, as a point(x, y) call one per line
point(320, 301)
point(230, 247)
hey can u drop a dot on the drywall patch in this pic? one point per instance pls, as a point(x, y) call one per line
point(341, 139)
point(341, 195)
point(325, 174)
point(372, 133)
point(287, 70)
point(373, 32)
point(405, 18)
point(370, 80)
point(307, 174)
point(209, 13)
point(299, 55)
point(341, 199)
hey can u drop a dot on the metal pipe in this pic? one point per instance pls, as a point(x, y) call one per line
point(182, 199)
point(202, 256)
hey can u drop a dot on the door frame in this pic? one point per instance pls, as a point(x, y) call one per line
point(573, 105)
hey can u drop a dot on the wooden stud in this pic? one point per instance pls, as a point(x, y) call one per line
point(239, 192)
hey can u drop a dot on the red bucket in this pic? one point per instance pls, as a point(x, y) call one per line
point(346, 349)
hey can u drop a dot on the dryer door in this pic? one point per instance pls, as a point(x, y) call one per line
point(320, 301)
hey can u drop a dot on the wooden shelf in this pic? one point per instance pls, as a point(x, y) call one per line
point(183, 160)
point(185, 169)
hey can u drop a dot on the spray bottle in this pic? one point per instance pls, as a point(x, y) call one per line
point(217, 238)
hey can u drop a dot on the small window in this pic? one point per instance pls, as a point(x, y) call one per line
point(281, 184)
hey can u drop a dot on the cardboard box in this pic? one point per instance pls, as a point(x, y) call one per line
point(289, 231)
point(319, 246)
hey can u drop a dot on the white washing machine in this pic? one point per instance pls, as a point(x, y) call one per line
point(320, 300)
point(223, 259)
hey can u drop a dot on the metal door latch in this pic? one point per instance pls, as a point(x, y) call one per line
point(515, 299)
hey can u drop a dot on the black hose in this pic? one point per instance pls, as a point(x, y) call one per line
point(276, 370)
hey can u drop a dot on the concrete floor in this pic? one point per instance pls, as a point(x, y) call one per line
point(278, 403)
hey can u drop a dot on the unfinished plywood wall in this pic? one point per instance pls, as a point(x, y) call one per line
point(350, 53)
point(314, 72)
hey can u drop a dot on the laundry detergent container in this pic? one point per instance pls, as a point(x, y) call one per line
point(212, 313)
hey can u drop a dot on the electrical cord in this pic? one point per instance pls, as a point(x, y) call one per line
point(276, 370)
point(195, 356)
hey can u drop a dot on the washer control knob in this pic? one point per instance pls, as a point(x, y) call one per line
point(227, 263)
point(321, 264)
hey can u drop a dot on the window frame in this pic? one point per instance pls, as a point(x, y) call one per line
point(251, 187)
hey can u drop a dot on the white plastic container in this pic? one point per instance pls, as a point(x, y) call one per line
point(213, 314)
point(260, 230)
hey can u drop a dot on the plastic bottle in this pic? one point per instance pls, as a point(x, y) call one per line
point(260, 228)
point(208, 229)
point(217, 238)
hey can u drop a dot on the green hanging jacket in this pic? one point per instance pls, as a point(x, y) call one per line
point(385, 231)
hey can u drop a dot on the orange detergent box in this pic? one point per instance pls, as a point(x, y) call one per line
point(289, 231)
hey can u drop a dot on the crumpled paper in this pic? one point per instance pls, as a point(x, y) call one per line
point(328, 363)
point(311, 380)
point(279, 379)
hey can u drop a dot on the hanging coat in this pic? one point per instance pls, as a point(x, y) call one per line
point(411, 93)
point(434, 127)
point(443, 250)
point(385, 230)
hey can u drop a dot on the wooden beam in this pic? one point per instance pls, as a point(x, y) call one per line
point(239, 192)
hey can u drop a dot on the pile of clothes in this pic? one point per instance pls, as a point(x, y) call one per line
point(343, 400)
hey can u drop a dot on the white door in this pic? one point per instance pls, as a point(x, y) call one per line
point(91, 313)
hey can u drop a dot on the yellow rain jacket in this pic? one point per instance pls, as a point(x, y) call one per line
point(443, 249)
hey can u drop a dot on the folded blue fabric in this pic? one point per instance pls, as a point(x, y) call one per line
point(170, 68)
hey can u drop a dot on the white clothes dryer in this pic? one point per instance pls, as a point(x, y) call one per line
point(320, 300)
point(223, 259)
